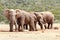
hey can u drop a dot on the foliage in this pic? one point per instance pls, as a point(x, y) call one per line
point(31, 5)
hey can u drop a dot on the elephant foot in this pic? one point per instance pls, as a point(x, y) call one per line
point(48, 28)
point(51, 28)
point(11, 30)
point(45, 27)
point(41, 27)
point(20, 30)
point(36, 30)
point(16, 30)
point(32, 30)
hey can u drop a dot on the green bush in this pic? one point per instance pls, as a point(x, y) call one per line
point(31, 5)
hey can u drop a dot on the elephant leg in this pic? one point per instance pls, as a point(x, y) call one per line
point(40, 24)
point(12, 19)
point(11, 27)
point(19, 28)
point(48, 25)
point(15, 26)
point(45, 26)
point(26, 26)
point(32, 27)
point(51, 25)
point(35, 26)
point(22, 25)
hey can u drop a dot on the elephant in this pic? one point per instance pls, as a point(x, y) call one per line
point(10, 14)
point(26, 18)
point(45, 17)
point(39, 19)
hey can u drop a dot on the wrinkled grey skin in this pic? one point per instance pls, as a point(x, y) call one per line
point(10, 15)
point(45, 17)
point(26, 18)
point(39, 19)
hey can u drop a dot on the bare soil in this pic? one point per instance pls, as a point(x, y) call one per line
point(48, 34)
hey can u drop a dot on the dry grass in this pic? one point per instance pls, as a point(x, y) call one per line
point(48, 34)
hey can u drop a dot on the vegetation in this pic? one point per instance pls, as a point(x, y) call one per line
point(31, 5)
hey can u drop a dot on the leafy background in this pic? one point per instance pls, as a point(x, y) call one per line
point(31, 5)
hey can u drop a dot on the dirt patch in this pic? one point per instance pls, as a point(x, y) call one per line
point(48, 34)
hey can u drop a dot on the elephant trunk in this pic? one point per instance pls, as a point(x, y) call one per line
point(13, 22)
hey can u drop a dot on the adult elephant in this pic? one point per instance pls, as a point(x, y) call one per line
point(10, 14)
point(26, 18)
point(45, 17)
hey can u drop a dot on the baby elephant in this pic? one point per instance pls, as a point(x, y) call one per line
point(45, 17)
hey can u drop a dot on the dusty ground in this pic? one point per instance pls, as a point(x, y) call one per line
point(50, 34)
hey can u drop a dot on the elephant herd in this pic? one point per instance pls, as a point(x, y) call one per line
point(22, 19)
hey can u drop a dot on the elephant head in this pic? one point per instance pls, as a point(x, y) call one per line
point(39, 17)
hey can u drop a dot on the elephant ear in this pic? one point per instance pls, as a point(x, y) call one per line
point(18, 13)
point(17, 10)
point(35, 14)
point(6, 12)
